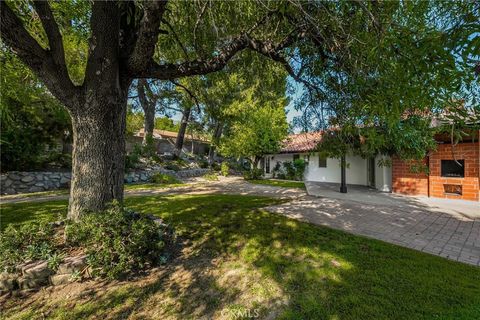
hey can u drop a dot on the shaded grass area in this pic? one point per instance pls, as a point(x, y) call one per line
point(132, 186)
point(238, 258)
point(37, 194)
point(280, 183)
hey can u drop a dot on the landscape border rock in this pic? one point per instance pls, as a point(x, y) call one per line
point(36, 274)
point(15, 182)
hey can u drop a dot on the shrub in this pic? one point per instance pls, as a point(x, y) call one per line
point(202, 163)
point(176, 165)
point(163, 179)
point(216, 166)
point(299, 165)
point(276, 172)
point(224, 169)
point(117, 242)
point(293, 170)
point(253, 174)
point(289, 170)
point(31, 241)
point(281, 175)
point(172, 166)
point(211, 176)
point(133, 158)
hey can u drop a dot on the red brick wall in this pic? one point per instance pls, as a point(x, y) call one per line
point(470, 183)
point(406, 182)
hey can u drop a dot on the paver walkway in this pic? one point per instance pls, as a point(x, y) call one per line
point(451, 236)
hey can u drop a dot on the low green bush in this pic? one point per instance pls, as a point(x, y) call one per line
point(118, 242)
point(176, 165)
point(202, 163)
point(211, 176)
point(224, 169)
point(132, 159)
point(216, 166)
point(163, 178)
point(253, 174)
point(31, 241)
point(172, 166)
point(292, 170)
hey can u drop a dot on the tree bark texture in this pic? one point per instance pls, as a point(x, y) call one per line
point(181, 132)
point(215, 140)
point(148, 110)
point(98, 160)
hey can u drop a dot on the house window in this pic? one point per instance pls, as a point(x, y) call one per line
point(267, 165)
point(296, 156)
point(306, 158)
point(453, 189)
point(452, 168)
point(322, 162)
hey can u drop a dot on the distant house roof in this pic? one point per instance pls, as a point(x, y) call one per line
point(164, 134)
point(301, 142)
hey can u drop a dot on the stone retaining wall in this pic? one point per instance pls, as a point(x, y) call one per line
point(23, 182)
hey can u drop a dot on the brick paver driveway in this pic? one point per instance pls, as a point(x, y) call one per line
point(451, 236)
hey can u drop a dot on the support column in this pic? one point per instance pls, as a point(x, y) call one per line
point(343, 165)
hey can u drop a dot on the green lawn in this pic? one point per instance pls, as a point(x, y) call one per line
point(152, 186)
point(238, 257)
point(280, 183)
point(37, 194)
point(132, 186)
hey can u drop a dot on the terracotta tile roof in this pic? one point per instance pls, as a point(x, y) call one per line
point(301, 142)
point(164, 134)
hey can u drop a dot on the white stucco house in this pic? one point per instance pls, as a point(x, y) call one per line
point(360, 171)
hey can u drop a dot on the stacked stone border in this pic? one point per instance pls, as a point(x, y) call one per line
point(15, 182)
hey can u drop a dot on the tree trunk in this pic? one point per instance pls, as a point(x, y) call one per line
point(181, 131)
point(148, 110)
point(255, 161)
point(215, 140)
point(98, 154)
point(149, 124)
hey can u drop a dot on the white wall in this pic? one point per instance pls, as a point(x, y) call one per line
point(356, 170)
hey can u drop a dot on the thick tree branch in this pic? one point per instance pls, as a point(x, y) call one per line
point(189, 92)
point(147, 35)
point(55, 41)
point(222, 57)
point(39, 60)
point(103, 54)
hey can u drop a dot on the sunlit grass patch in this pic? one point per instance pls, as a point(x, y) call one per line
point(152, 186)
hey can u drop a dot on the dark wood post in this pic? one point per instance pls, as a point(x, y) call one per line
point(343, 185)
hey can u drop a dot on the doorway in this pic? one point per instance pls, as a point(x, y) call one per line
point(371, 172)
